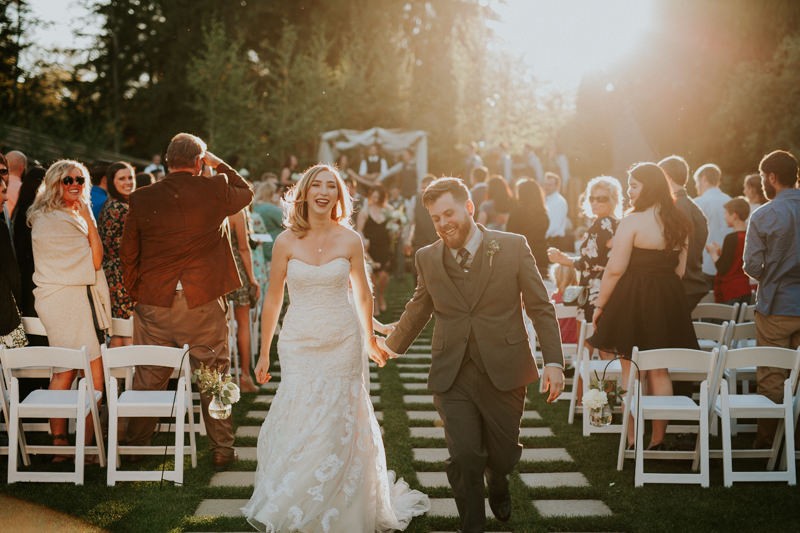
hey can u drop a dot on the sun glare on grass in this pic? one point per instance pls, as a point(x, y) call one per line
point(563, 40)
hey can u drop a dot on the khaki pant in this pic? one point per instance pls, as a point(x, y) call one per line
point(202, 327)
point(782, 332)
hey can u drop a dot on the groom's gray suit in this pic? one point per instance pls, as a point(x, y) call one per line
point(481, 359)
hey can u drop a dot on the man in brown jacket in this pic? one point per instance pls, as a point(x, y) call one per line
point(177, 265)
point(474, 281)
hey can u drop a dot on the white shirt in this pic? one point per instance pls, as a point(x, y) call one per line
point(362, 168)
point(711, 204)
point(557, 212)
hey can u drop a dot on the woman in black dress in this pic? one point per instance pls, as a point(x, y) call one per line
point(529, 218)
point(371, 224)
point(642, 302)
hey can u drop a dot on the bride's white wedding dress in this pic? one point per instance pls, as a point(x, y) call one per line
point(321, 462)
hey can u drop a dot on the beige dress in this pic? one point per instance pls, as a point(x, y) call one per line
point(63, 271)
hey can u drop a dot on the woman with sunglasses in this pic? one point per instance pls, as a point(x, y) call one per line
point(602, 202)
point(71, 293)
point(121, 184)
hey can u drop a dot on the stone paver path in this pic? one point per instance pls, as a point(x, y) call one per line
point(429, 450)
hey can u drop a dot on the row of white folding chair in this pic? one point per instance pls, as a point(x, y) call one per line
point(45, 404)
point(173, 404)
point(714, 398)
point(715, 311)
point(570, 350)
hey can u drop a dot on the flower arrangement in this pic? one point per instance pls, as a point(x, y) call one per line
point(600, 398)
point(492, 248)
point(396, 220)
point(223, 391)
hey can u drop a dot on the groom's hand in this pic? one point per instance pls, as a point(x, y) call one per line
point(376, 353)
point(553, 377)
point(385, 348)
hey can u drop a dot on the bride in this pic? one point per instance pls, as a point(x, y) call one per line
point(321, 462)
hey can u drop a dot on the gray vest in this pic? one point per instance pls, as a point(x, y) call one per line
point(465, 283)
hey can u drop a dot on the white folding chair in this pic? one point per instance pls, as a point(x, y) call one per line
point(175, 404)
point(708, 298)
point(569, 349)
point(4, 425)
point(233, 327)
point(710, 335)
point(705, 312)
point(693, 365)
point(747, 313)
point(122, 327)
point(33, 326)
point(741, 335)
point(586, 368)
point(77, 404)
point(730, 406)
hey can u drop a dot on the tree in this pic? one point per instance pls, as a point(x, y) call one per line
point(225, 95)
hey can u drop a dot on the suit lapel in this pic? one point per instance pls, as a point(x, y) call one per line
point(485, 271)
point(442, 271)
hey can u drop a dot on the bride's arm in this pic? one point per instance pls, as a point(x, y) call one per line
point(362, 297)
point(273, 301)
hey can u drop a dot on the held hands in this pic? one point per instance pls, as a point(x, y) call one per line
point(383, 329)
point(375, 352)
point(262, 370)
point(553, 377)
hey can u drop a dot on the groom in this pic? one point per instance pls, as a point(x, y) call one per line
point(474, 281)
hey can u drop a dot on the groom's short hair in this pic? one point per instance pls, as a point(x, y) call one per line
point(441, 186)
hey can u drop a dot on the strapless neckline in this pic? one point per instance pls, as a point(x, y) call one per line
point(320, 265)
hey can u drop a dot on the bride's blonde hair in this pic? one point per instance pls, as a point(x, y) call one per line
point(295, 202)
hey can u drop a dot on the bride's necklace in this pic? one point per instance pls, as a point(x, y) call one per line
point(323, 242)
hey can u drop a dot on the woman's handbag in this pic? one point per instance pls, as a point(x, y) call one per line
point(576, 295)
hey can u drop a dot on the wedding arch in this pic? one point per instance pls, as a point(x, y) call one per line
point(391, 141)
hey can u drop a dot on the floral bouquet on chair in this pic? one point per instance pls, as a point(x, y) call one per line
point(223, 391)
point(600, 398)
point(396, 222)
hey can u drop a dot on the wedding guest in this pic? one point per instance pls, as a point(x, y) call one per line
point(421, 231)
point(99, 188)
point(155, 168)
point(290, 171)
point(143, 179)
point(371, 224)
point(71, 293)
point(754, 192)
point(12, 335)
point(506, 163)
point(710, 199)
point(602, 203)
point(772, 257)
point(534, 163)
point(478, 187)
point(266, 205)
point(557, 211)
point(371, 167)
point(22, 241)
point(694, 282)
point(179, 284)
point(112, 221)
point(245, 297)
point(473, 159)
point(343, 166)
point(641, 301)
point(529, 219)
point(494, 211)
point(17, 166)
point(562, 276)
point(731, 284)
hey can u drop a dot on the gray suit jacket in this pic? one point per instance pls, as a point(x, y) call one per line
point(494, 314)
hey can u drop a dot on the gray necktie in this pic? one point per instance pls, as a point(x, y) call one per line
point(463, 259)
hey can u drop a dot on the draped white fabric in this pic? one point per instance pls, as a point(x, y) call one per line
point(391, 141)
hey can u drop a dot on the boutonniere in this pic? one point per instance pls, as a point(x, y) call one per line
point(492, 249)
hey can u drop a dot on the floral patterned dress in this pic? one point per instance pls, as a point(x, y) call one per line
point(110, 225)
point(592, 262)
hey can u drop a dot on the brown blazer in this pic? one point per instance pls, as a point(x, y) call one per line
point(493, 314)
point(174, 231)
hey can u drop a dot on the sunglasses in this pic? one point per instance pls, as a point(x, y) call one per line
point(599, 199)
point(3, 172)
point(69, 180)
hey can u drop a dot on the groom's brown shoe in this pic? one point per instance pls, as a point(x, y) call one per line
point(221, 462)
point(500, 503)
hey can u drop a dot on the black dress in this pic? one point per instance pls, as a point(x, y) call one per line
point(647, 308)
point(532, 224)
point(380, 246)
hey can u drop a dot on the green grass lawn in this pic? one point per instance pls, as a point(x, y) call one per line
point(150, 507)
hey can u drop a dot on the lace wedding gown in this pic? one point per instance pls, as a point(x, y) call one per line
point(321, 462)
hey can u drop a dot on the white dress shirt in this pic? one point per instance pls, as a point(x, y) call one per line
point(557, 212)
point(711, 204)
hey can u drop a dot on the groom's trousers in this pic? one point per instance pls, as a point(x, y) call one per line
point(481, 425)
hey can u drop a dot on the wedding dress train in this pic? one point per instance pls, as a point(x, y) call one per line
point(321, 461)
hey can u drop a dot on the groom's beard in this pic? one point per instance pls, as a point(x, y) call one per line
point(457, 239)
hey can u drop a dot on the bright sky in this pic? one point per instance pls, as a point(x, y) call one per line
point(561, 40)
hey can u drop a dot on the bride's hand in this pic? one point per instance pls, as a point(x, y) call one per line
point(262, 370)
point(375, 353)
